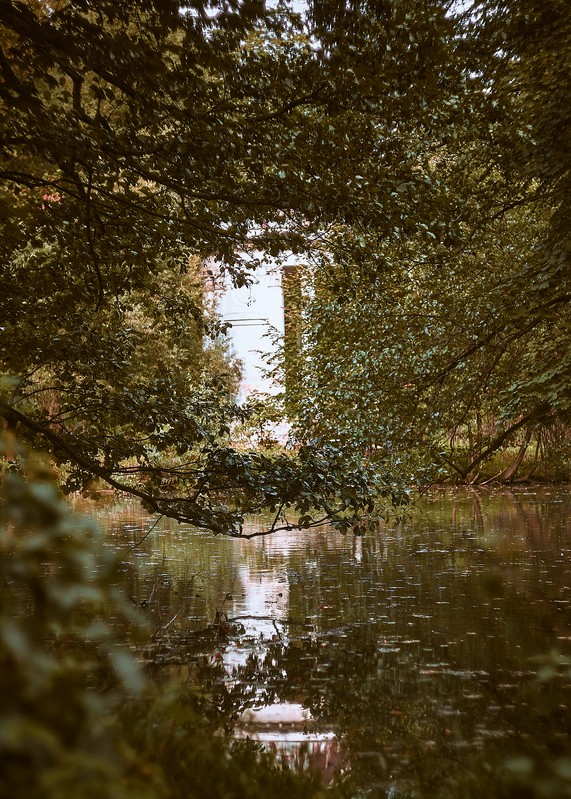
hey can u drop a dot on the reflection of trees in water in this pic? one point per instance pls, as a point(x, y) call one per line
point(415, 645)
point(418, 653)
point(540, 514)
point(403, 717)
point(325, 758)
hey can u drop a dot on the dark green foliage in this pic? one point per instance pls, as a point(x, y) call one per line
point(451, 341)
point(414, 154)
point(61, 670)
point(140, 140)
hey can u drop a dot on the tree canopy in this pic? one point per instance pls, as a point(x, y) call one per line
point(416, 154)
point(460, 344)
point(138, 138)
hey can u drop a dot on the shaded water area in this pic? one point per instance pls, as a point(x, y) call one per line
point(430, 653)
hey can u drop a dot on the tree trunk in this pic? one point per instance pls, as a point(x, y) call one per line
point(510, 472)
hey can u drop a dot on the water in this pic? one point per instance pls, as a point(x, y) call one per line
point(402, 660)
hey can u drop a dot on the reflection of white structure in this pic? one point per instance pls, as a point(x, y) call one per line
point(253, 312)
point(261, 605)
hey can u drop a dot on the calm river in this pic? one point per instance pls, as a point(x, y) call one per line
point(409, 661)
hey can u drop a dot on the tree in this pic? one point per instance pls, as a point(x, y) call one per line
point(453, 341)
point(139, 137)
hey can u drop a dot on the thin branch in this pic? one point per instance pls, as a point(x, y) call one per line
point(140, 541)
point(496, 444)
point(326, 520)
point(12, 414)
point(60, 389)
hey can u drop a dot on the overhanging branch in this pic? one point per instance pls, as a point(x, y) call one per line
point(185, 509)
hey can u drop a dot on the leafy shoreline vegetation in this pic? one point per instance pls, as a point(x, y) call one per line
point(414, 155)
